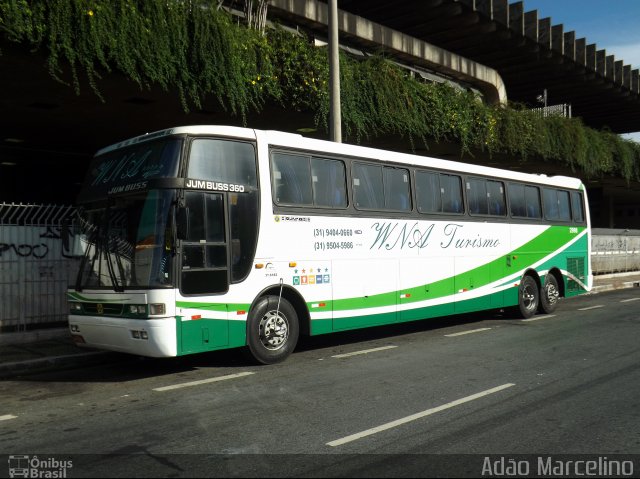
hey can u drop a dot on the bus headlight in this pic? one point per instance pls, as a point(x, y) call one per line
point(75, 308)
point(137, 309)
point(157, 309)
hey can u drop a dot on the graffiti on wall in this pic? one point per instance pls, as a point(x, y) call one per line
point(51, 242)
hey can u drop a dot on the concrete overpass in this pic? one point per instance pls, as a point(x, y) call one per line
point(48, 133)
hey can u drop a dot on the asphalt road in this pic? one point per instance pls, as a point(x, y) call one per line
point(416, 400)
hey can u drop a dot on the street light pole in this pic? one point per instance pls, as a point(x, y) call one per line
point(335, 122)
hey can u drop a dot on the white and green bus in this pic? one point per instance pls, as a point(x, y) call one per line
point(202, 238)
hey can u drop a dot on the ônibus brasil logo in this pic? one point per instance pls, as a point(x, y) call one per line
point(35, 467)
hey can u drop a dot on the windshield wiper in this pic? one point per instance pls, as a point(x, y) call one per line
point(112, 274)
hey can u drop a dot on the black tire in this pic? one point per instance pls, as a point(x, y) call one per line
point(549, 295)
point(528, 297)
point(272, 332)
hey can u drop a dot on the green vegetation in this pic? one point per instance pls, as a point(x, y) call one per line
point(200, 52)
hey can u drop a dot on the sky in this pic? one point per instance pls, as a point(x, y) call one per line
point(613, 25)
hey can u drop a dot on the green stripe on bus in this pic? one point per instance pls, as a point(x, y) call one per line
point(551, 239)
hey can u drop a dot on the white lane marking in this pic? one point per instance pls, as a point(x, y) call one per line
point(546, 316)
point(413, 417)
point(591, 307)
point(364, 351)
point(203, 381)
point(630, 299)
point(467, 332)
point(6, 417)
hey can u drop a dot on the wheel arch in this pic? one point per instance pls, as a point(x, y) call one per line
point(295, 298)
point(534, 274)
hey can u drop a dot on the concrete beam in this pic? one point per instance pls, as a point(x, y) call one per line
point(531, 25)
point(485, 79)
point(590, 56)
point(516, 17)
point(601, 62)
point(501, 11)
point(626, 76)
point(485, 7)
point(581, 51)
point(557, 38)
point(618, 69)
point(570, 45)
point(610, 73)
point(544, 32)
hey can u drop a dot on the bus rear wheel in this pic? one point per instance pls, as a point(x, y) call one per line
point(549, 295)
point(272, 330)
point(528, 297)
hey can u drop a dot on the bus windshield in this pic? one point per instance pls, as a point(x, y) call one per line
point(129, 243)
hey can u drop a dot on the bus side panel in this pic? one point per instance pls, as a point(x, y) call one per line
point(433, 276)
point(360, 285)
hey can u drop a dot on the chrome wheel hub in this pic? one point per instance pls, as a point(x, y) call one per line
point(274, 330)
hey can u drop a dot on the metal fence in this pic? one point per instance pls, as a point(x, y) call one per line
point(615, 251)
point(36, 265)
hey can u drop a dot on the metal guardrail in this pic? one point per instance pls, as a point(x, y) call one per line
point(37, 262)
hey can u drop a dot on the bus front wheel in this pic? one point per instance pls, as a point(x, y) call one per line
point(272, 330)
point(528, 297)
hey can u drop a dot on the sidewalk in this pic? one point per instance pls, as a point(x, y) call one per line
point(27, 353)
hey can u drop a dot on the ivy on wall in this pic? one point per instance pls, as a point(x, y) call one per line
point(200, 51)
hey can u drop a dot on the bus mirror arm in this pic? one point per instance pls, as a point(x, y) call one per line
point(182, 222)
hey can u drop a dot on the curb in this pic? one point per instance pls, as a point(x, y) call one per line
point(614, 286)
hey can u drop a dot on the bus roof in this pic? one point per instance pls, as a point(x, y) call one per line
point(299, 142)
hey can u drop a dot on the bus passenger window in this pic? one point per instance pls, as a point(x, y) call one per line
point(396, 189)
point(368, 189)
point(477, 196)
point(564, 210)
point(291, 179)
point(532, 202)
point(551, 209)
point(576, 207)
point(451, 188)
point(329, 183)
point(517, 200)
point(428, 192)
point(495, 198)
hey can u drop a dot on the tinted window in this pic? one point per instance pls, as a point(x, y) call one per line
point(576, 207)
point(438, 193)
point(495, 198)
point(556, 205)
point(563, 206)
point(477, 197)
point(532, 202)
point(368, 192)
point(243, 217)
point(428, 195)
point(550, 198)
point(223, 160)
point(396, 189)
point(329, 183)
point(524, 201)
point(516, 200)
point(451, 190)
point(291, 177)
point(486, 197)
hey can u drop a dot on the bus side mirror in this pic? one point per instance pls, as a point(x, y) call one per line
point(182, 222)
